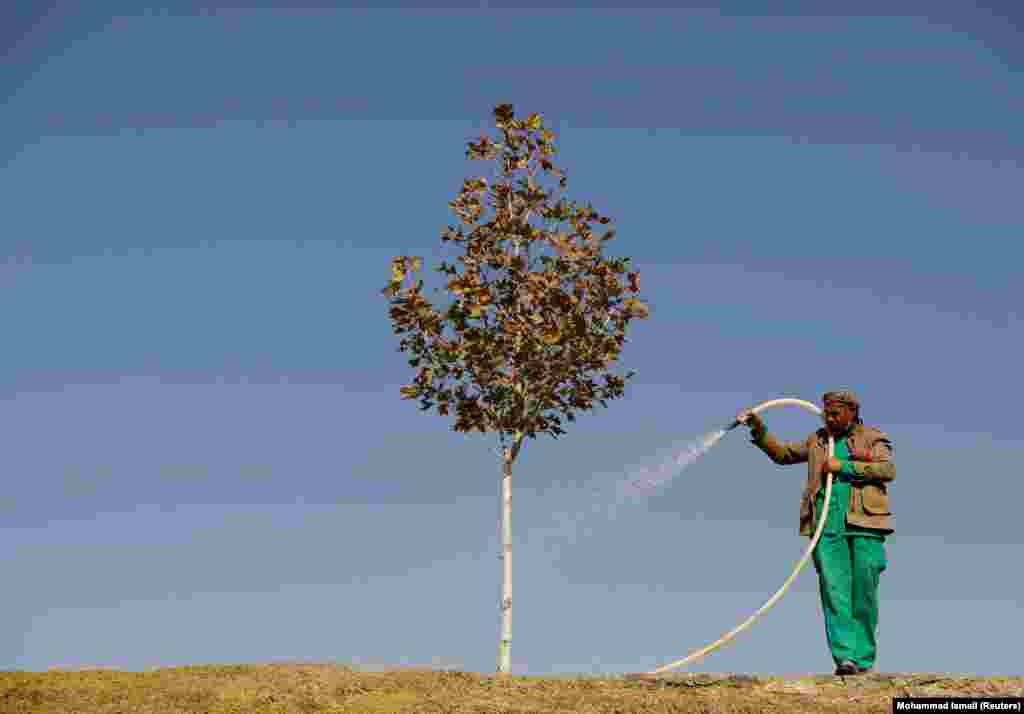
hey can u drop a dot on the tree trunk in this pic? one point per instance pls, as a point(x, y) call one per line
point(505, 643)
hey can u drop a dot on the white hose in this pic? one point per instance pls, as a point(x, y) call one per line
point(803, 561)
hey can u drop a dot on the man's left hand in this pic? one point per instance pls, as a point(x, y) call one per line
point(833, 465)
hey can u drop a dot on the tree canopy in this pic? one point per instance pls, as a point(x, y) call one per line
point(536, 316)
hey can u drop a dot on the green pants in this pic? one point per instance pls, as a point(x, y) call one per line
point(848, 568)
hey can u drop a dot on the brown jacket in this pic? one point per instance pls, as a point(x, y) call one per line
point(871, 451)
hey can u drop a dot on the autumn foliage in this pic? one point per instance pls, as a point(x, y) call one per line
point(536, 317)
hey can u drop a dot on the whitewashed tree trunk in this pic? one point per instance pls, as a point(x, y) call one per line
point(509, 457)
point(505, 644)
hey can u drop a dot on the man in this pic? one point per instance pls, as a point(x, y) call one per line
point(850, 556)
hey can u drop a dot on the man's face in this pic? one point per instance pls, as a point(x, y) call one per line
point(838, 417)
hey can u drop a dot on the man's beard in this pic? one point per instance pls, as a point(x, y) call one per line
point(837, 430)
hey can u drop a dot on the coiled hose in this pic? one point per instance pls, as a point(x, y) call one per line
point(815, 409)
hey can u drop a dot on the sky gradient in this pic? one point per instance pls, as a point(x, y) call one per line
point(205, 454)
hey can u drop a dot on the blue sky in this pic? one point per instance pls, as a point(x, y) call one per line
point(205, 455)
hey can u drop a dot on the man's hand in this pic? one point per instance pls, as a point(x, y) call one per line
point(832, 465)
point(751, 419)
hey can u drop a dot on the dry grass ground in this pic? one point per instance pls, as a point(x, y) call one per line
point(280, 688)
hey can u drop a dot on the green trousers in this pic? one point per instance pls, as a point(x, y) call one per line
point(848, 568)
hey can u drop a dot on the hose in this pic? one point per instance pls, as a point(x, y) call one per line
point(803, 561)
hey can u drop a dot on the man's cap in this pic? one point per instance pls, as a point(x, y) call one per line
point(841, 396)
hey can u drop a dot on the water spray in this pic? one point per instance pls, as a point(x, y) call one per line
point(698, 654)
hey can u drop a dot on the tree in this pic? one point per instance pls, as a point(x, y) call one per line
point(536, 316)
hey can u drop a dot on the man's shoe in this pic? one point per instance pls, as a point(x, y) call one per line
point(846, 667)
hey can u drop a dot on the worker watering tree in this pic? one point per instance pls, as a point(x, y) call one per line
point(536, 318)
point(850, 557)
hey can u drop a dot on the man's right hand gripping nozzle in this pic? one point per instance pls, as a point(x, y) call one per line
point(752, 420)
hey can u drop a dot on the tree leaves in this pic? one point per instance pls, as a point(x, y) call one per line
point(503, 115)
point(534, 319)
point(636, 308)
point(398, 270)
point(551, 336)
